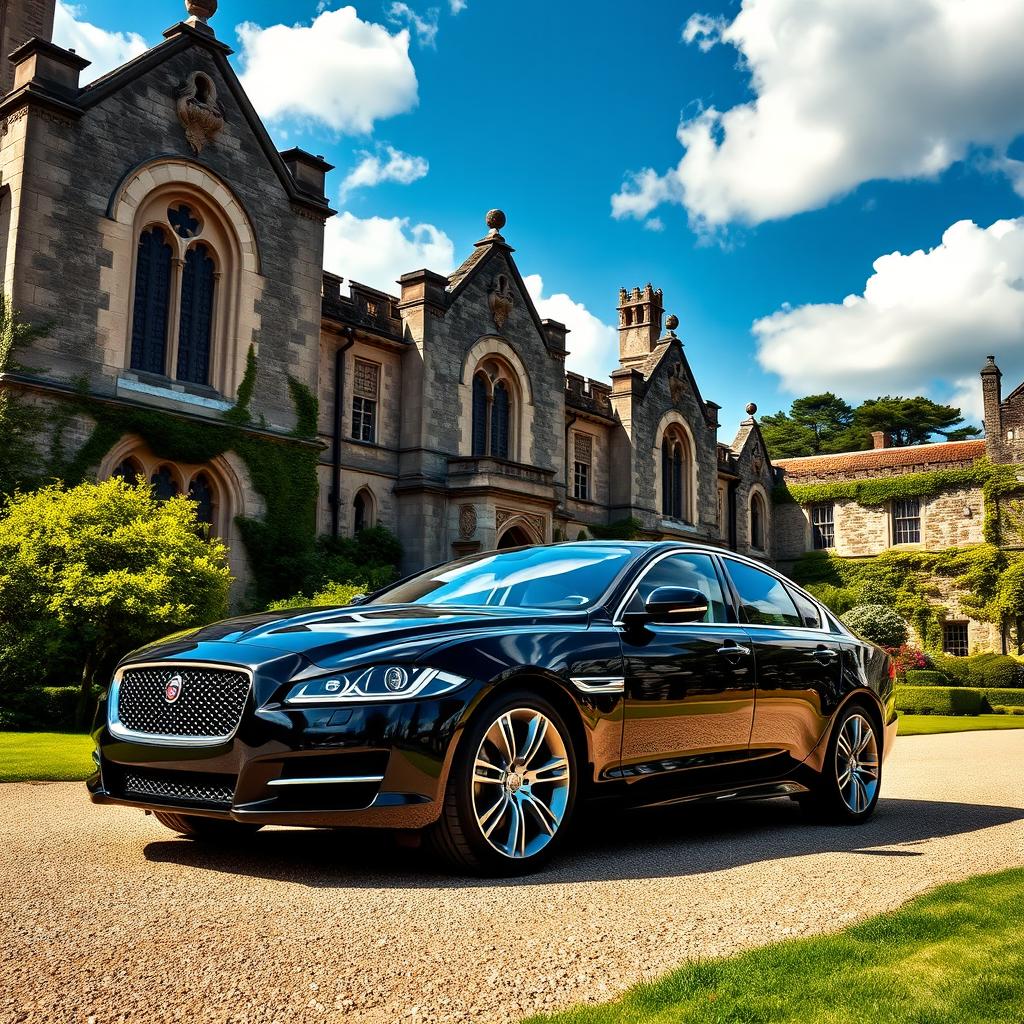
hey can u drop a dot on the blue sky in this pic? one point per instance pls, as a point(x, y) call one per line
point(814, 136)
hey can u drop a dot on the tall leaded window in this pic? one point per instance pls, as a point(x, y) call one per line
point(500, 407)
point(129, 471)
point(200, 490)
point(152, 306)
point(906, 521)
point(479, 414)
point(823, 526)
point(365, 389)
point(196, 317)
point(757, 517)
point(674, 476)
point(583, 458)
point(165, 486)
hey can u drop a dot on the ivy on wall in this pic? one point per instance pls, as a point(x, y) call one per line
point(989, 581)
point(281, 545)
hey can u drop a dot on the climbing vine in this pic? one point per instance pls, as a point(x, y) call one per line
point(989, 580)
point(281, 545)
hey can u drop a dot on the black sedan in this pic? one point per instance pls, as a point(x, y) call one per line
point(480, 701)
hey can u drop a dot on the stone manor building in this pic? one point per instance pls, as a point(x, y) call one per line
point(149, 218)
point(177, 256)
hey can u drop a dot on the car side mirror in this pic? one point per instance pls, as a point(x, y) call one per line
point(359, 599)
point(671, 605)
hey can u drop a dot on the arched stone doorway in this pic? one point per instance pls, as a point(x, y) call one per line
point(514, 537)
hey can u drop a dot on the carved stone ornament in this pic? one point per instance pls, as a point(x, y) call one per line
point(677, 383)
point(501, 300)
point(756, 460)
point(198, 110)
point(467, 521)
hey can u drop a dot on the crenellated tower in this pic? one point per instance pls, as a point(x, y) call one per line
point(640, 313)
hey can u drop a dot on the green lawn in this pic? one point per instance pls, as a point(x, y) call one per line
point(927, 725)
point(44, 756)
point(954, 956)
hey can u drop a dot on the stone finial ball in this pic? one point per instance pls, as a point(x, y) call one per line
point(201, 9)
point(672, 322)
point(751, 408)
point(495, 219)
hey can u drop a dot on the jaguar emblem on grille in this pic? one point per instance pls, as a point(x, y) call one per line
point(172, 691)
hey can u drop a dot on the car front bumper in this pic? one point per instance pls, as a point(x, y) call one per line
point(368, 765)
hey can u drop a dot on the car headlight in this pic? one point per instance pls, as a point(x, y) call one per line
point(379, 683)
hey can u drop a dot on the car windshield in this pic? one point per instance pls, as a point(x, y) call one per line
point(564, 576)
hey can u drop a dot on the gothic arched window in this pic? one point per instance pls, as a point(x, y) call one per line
point(479, 414)
point(362, 511)
point(499, 420)
point(197, 283)
point(200, 490)
point(757, 518)
point(164, 484)
point(152, 295)
point(129, 471)
point(675, 475)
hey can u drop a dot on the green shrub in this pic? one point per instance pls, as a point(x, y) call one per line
point(1003, 697)
point(91, 572)
point(42, 709)
point(926, 677)
point(997, 670)
point(338, 594)
point(877, 623)
point(938, 700)
point(958, 670)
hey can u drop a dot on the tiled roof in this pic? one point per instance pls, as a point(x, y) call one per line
point(884, 458)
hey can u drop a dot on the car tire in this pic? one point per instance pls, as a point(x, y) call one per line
point(195, 826)
point(851, 777)
point(511, 790)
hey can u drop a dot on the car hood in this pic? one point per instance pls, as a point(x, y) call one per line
point(336, 637)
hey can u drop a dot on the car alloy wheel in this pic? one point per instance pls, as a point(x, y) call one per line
point(857, 763)
point(521, 779)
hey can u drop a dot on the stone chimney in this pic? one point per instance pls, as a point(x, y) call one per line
point(640, 313)
point(20, 21)
point(49, 66)
point(880, 439)
point(992, 400)
point(309, 172)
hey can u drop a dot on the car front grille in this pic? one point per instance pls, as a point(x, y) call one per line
point(207, 702)
point(180, 787)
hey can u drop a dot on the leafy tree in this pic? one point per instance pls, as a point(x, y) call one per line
point(785, 438)
point(19, 422)
point(97, 570)
point(910, 420)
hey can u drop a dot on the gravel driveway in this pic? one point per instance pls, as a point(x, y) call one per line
point(107, 917)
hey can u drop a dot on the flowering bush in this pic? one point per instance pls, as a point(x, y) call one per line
point(906, 658)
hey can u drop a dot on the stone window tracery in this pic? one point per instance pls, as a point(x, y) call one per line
point(494, 411)
point(676, 475)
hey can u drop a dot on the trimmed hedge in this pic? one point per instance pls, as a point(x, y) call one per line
point(1002, 709)
point(42, 708)
point(1003, 698)
point(927, 677)
point(998, 670)
point(938, 700)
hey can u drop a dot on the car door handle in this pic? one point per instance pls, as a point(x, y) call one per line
point(823, 654)
point(733, 651)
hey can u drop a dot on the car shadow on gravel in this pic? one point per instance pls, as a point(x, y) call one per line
point(608, 843)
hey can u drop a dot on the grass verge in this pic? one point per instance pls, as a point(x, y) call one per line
point(928, 725)
point(953, 956)
point(44, 756)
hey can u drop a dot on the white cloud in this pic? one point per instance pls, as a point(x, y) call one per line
point(378, 250)
point(923, 325)
point(654, 224)
point(424, 26)
point(844, 93)
point(372, 169)
point(457, 6)
point(593, 345)
point(340, 71)
point(106, 50)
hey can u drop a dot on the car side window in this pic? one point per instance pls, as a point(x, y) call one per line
point(764, 600)
point(809, 614)
point(687, 569)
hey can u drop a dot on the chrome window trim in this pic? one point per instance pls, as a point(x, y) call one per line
point(617, 617)
point(122, 732)
point(326, 780)
point(599, 684)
